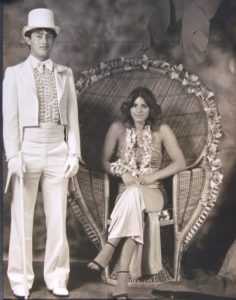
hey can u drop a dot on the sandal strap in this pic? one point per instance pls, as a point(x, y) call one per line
point(123, 271)
point(100, 267)
point(111, 245)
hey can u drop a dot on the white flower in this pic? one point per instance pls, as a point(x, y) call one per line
point(79, 83)
point(136, 158)
point(127, 67)
point(190, 90)
point(165, 64)
point(180, 67)
point(174, 75)
point(185, 82)
point(103, 66)
point(216, 180)
point(217, 135)
point(145, 58)
point(60, 69)
point(193, 77)
point(145, 66)
point(213, 148)
point(94, 78)
point(216, 164)
point(210, 95)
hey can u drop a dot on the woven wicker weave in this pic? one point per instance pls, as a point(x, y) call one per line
point(189, 109)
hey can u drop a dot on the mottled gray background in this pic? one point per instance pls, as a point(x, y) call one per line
point(93, 31)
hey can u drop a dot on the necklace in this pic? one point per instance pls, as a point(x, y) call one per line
point(137, 154)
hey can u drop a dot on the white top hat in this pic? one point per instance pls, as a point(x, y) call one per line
point(40, 18)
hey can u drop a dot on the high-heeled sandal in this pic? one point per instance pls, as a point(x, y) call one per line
point(122, 295)
point(99, 268)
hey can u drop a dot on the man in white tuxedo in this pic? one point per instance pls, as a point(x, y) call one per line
point(42, 146)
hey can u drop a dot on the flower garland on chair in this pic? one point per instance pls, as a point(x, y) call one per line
point(136, 156)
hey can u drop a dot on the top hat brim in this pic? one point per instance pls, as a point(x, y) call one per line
point(28, 28)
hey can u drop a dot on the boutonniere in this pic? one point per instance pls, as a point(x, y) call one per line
point(60, 69)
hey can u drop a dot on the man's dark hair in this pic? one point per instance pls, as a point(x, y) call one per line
point(49, 30)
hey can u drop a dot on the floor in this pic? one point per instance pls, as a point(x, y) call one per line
point(84, 284)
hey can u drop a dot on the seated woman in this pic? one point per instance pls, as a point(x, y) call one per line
point(137, 142)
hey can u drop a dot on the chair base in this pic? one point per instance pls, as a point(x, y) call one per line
point(147, 281)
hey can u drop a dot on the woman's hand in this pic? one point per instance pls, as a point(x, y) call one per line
point(147, 179)
point(129, 179)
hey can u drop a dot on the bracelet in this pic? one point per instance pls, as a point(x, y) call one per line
point(118, 168)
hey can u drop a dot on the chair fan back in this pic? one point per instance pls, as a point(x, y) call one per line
point(99, 105)
point(189, 108)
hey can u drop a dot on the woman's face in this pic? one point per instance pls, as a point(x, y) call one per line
point(140, 110)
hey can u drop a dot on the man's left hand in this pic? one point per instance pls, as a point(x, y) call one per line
point(71, 166)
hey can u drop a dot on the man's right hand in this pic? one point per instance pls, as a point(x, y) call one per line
point(16, 165)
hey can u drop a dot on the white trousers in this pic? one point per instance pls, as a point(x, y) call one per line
point(44, 165)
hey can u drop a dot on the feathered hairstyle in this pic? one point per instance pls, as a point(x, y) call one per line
point(155, 115)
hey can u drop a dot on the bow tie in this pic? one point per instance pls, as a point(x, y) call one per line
point(48, 64)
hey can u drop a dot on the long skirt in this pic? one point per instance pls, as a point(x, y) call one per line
point(135, 215)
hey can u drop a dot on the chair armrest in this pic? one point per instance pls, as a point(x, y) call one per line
point(189, 187)
point(90, 202)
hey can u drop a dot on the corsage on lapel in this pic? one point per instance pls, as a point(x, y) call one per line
point(60, 77)
point(60, 70)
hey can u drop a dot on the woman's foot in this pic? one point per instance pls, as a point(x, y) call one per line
point(95, 266)
point(103, 258)
point(120, 291)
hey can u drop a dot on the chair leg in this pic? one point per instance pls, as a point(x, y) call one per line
point(177, 254)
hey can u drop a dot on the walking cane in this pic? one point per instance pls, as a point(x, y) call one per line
point(26, 291)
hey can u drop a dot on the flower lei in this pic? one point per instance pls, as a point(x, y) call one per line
point(136, 156)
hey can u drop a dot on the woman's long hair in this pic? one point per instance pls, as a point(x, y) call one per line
point(155, 115)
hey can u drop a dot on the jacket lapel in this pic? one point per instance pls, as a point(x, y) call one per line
point(60, 78)
point(27, 75)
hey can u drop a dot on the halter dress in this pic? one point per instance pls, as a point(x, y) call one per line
point(132, 216)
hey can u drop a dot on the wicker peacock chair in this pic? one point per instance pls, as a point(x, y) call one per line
point(190, 110)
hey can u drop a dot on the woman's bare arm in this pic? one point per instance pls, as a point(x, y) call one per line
point(172, 147)
point(110, 144)
point(112, 138)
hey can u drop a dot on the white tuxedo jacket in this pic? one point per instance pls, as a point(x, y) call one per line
point(21, 105)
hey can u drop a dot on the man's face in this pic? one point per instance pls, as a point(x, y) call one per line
point(41, 43)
